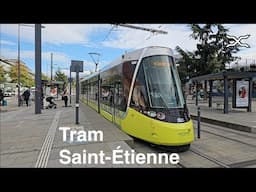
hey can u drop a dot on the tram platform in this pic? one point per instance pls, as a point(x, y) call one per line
point(35, 140)
point(238, 119)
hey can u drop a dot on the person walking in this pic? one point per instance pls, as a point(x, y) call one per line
point(65, 97)
point(1, 96)
point(26, 96)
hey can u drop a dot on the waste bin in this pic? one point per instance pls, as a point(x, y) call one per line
point(4, 102)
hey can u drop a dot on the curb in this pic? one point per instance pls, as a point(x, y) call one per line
point(225, 124)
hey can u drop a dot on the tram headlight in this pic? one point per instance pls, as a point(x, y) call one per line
point(160, 115)
point(180, 120)
point(151, 113)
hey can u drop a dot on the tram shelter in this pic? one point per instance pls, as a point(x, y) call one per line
point(52, 88)
point(242, 88)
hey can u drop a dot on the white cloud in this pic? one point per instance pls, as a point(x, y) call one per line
point(120, 37)
point(178, 35)
point(10, 29)
point(59, 57)
point(65, 34)
point(56, 33)
point(4, 42)
point(8, 53)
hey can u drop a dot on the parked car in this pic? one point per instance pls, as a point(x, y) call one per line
point(8, 93)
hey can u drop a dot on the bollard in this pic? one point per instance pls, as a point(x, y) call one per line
point(198, 122)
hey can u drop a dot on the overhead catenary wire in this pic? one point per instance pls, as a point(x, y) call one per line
point(143, 28)
point(109, 32)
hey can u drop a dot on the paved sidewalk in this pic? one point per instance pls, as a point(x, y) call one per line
point(30, 140)
point(12, 104)
point(89, 120)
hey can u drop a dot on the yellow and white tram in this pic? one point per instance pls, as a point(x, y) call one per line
point(141, 93)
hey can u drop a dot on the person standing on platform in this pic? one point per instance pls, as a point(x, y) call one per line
point(65, 97)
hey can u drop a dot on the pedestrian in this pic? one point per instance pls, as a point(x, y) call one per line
point(1, 96)
point(65, 97)
point(26, 96)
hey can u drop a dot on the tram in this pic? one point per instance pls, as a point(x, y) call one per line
point(141, 93)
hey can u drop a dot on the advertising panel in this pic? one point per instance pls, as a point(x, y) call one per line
point(242, 93)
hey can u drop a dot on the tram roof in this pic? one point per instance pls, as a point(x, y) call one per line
point(134, 56)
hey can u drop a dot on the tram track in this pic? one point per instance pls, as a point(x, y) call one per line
point(219, 163)
point(217, 127)
point(232, 139)
point(229, 131)
point(197, 157)
point(207, 157)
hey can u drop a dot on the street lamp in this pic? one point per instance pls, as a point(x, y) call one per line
point(19, 58)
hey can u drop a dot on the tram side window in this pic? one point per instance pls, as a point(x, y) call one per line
point(86, 90)
point(139, 98)
point(106, 95)
point(91, 91)
point(120, 100)
point(128, 71)
point(95, 91)
point(83, 90)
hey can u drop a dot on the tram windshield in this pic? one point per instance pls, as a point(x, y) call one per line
point(163, 83)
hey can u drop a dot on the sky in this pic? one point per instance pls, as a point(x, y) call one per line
point(75, 41)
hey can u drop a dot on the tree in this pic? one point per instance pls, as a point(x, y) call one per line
point(187, 65)
point(60, 76)
point(44, 77)
point(2, 74)
point(26, 79)
point(212, 53)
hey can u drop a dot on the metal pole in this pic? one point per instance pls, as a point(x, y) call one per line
point(19, 65)
point(77, 97)
point(98, 98)
point(51, 66)
point(249, 109)
point(198, 122)
point(210, 93)
point(70, 84)
point(196, 93)
point(225, 94)
point(38, 82)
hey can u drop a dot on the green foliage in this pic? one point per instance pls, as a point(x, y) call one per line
point(2, 74)
point(44, 77)
point(60, 76)
point(26, 78)
point(211, 54)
